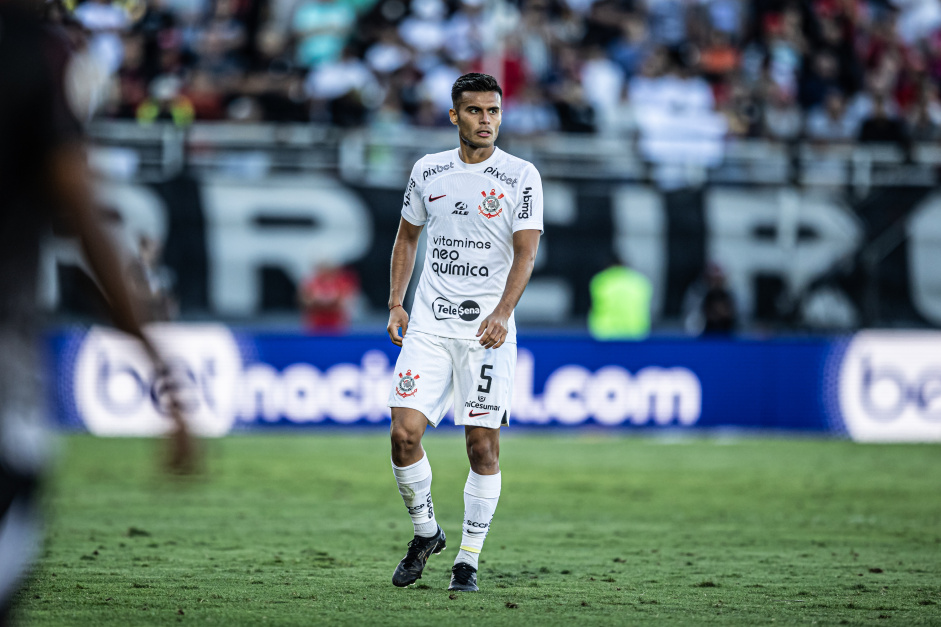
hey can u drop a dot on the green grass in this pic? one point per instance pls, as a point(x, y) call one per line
point(304, 529)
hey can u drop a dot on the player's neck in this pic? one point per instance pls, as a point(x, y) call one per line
point(472, 154)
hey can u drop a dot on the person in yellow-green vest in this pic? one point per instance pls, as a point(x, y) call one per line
point(166, 103)
point(620, 304)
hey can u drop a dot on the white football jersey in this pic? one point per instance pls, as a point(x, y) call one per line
point(470, 212)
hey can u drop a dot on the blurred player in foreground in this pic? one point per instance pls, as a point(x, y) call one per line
point(43, 175)
point(483, 210)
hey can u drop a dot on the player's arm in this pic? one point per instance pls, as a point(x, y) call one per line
point(71, 189)
point(494, 328)
point(403, 262)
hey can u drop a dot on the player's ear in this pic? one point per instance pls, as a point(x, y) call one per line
point(453, 115)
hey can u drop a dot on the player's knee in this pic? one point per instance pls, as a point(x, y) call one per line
point(403, 439)
point(483, 454)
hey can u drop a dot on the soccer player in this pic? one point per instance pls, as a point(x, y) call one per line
point(483, 210)
point(42, 169)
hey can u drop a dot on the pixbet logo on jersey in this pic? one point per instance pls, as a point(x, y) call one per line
point(890, 387)
point(446, 310)
point(436, 169)
point(500, 176)
point(490, 207)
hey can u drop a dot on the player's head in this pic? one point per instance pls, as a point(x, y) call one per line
point(477, 107)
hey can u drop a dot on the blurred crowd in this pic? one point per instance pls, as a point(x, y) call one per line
point(824, 70)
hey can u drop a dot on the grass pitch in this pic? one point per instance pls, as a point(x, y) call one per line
point(306, 528)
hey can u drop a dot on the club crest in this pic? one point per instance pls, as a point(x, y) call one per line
point(490, 207)
point(406, 385)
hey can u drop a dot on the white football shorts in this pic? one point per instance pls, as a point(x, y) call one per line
point(430, 369)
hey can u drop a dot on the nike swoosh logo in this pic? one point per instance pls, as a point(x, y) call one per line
point(434, 198)
point(473, 415)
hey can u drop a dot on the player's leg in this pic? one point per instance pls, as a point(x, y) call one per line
point(20, 534)
point(24, 451)
point(420, 390)
point(411, 468)
point(481, 495)
point(486, 393)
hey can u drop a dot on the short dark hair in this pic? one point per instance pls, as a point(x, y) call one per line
point(474, 82)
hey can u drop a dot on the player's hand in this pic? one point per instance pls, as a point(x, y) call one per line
point(182, 456)
point(182, 453)
point(493, 330)
point(398, 319)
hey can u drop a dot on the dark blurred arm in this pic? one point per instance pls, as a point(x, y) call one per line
point(71, 190)
point(72, 193)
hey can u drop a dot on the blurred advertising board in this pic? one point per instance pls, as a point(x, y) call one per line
point(873, 386)
point(240, 246)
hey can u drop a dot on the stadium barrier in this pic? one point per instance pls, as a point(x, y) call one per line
point(873, 386)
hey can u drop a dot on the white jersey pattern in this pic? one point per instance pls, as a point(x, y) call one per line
point(470, 212)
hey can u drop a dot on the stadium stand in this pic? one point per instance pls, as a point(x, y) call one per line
point(769, 69)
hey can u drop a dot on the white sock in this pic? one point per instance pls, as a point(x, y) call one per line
point(481, 494)
point(415, 487)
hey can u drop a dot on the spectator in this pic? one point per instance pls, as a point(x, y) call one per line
point(709, 304)
point(389, 54)
point(327, 299)
point(575, 113)
point(719, 57)
point(782, 118)
point(322, 28)
point(821, 79)
point(343, 91)
point(536, 38)
point(925, 119)
point(106, 21)
point(603, 83)
point(219, 46)
point(718, 305)
point(129, 88)
point(742, 112)
point(166, 103)
point(467, 34)
point(424, 31)
point(680, 133)
point(882, 128)
point(620, 304)
point(830, 122)
point(275, 81)
point(632, 48)
point(204, 95)
point(667, 22)
point(530, 115)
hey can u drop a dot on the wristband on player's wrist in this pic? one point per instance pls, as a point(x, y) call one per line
point(393, 307)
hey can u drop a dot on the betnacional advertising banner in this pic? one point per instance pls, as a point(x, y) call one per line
point(871, 387)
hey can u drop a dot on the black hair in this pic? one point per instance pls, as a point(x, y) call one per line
point(474, 82)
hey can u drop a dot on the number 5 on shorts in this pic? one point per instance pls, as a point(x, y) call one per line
point(485, 377)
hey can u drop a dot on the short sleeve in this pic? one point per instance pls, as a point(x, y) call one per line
point(413, 207)
point(528, 214)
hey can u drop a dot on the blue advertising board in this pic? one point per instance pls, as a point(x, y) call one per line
point(872, 386)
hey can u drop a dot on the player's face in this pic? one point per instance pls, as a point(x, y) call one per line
point(477, 117)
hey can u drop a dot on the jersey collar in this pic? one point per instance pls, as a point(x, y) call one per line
point(477, 167)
